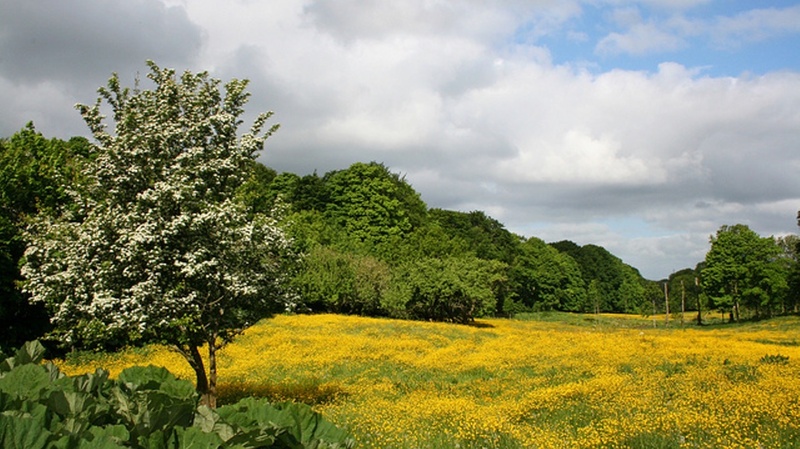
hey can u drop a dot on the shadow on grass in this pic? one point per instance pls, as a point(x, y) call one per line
point(311, 392)
point(480, 325)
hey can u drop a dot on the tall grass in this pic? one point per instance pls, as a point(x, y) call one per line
point(548, 381)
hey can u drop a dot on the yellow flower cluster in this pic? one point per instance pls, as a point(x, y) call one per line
point(519, 384)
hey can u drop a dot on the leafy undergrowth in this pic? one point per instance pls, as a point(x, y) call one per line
point(144, 408)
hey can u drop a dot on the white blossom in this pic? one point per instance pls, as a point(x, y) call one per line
point(156, 247)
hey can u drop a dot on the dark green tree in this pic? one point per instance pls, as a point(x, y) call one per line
point(35, 174)
point(597, 264)
point(685, 293)
point(255, 193)
point(452, 289)
point(543, 278)
point(373, 206)
point(487, 237)
point(743, 269)
point(332, 281)
point(790, 258)
point(632, 291)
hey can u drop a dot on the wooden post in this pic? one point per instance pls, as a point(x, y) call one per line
point(699, 314)
point(666, 301)
point(654, 311)
point(683, 301)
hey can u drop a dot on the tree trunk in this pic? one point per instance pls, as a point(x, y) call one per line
point(212, 373)
point(206, 384)
point(202, 385)
point(207, 388)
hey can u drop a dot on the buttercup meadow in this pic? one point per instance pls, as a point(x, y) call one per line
point(585, 381)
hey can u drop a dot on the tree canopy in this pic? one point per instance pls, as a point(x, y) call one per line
point(743, 268)
point(35, 174)
point(158, 249)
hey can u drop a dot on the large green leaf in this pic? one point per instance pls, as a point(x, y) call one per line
point(158, 439)
point(310, 428)
point(145, 412)
point(77, 410)
point(156, 378)
point(96, 383)
point(53, 372)
point(260, 437)
point(26, 381)
point(208, 421)
point(298, 425)
point(108, 436)
point(100, 443)
point(150, 399)
point(31, 352)
point(144, 377)
point(195, 438)
point(70, 403)
point(20, 430)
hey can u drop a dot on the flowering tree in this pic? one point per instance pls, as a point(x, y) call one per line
point(156, 248)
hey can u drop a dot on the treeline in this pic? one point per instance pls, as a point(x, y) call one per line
point(35, 174)
point(743, 276)
point(373, 247)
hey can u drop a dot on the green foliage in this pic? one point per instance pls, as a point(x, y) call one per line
point(254, 192)
point(684, 290)
point(743, 269)
point(363, 225)
point(456, 289)
point(35, 174)
point(545, 279)
point(339, 282)
point(158, 248)
point(612, 286)
point(146, 407)
point(487, 237)
point(372, 205)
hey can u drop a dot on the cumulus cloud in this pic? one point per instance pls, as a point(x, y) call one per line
point(664, 33)
point(755, 25)
point(54, 54)
point(464, 99)
point(51, 39)
point(640, 39)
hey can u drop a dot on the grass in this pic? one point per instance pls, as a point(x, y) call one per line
point(547, 380)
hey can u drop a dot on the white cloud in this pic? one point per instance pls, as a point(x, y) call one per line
point(664, 33)
point(74, 40)
point(640, 39)
point(22, 104)
point(462, 98)
point(578, 158)
point(755, 25)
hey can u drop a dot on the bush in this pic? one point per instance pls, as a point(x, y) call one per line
point(453, 289)
point(146, 407)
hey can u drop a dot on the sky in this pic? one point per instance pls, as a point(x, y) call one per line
point(640, 126)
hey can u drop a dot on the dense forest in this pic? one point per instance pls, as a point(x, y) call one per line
point(371, 246)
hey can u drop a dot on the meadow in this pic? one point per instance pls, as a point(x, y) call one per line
point(542, 381)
